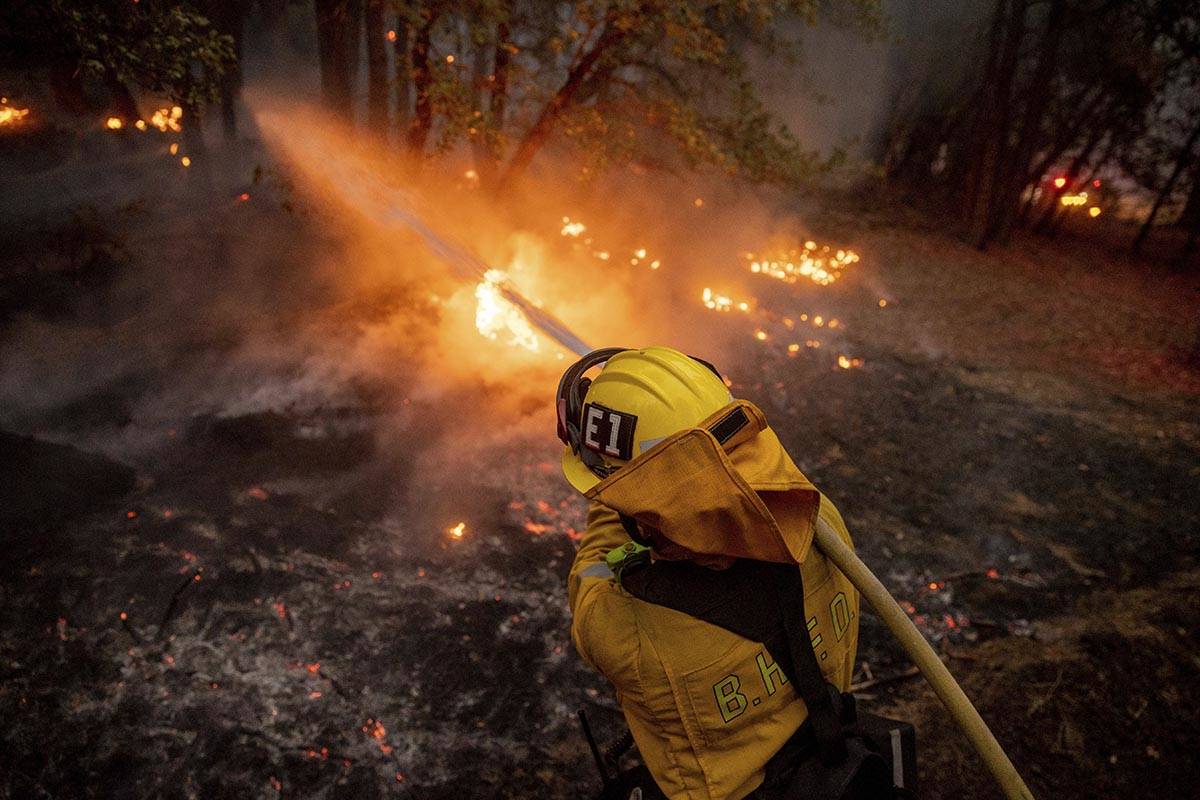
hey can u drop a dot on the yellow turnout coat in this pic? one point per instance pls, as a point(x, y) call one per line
point(707, 707)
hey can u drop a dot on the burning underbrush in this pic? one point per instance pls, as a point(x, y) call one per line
point(291, 519)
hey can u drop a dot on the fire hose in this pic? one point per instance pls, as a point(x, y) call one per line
point(935, 672)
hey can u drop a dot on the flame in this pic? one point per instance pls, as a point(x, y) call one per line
point(114, 123)
point(789, 266)
point(572, 229)
point(457, 531)
point(10, 115)
point(495, 315)
point(167, 119)
point(1094, 212)
point(1074, 199)
point(1060, 183)
point(720, 302)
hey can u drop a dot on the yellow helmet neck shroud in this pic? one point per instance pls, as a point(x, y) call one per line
point(744, 498)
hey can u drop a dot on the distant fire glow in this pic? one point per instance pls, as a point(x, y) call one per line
point(114, 123)
point(845, 362)
point(168, 119)
point(11, 116)
point(457, 531)
point(498, 319)
point(1074, 199)
point(1060, 182)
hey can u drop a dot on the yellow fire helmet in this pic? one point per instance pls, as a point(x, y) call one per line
point(639, 398)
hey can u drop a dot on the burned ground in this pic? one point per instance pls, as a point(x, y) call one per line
point(256, 599)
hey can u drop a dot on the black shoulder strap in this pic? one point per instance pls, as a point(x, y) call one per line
point(762, 602)
point(823, 699)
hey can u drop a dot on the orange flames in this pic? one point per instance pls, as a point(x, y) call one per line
point(498, 319)
point(10, 115)
point(168, 119)
point(820, 264)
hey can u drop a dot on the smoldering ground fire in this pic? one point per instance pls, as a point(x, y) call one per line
point(280, 492)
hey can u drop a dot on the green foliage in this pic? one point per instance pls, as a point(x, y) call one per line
point(664, 82)
point(161, 46)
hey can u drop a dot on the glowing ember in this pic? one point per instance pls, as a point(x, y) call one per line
point(1094, 212)
point(167, 119)
point(391, 36)
point(472, 176)
point(114, 123)
point(1074, 199)
point(719, 302)
point(570, 228)
point(1060, 182)
point(457, 531)
point(11, 116)
point(849, 363)
point(495, 316)
point(174, 148)
point(698, 202)
point(822, 268)
point(140, 124)
point(187, 162)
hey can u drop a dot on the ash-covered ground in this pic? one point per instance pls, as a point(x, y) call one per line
point(229, 568)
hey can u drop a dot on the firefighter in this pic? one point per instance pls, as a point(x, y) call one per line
point(696, 590)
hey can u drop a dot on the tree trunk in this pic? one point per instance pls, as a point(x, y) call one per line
point(332, 55)
point(478, 133)
point(422, 80)
point(377, 69)
point(272, 15)
point(229, 18)
point(404, 79)
point(1181, 163)
point(541, 129)
point(122, 100)
point(965, 171)
point(500, 69)
point(353, 31)
point(1013, 176)
point(994, 131)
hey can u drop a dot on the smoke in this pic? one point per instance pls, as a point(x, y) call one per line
point(322, 279)
point(849, 90)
